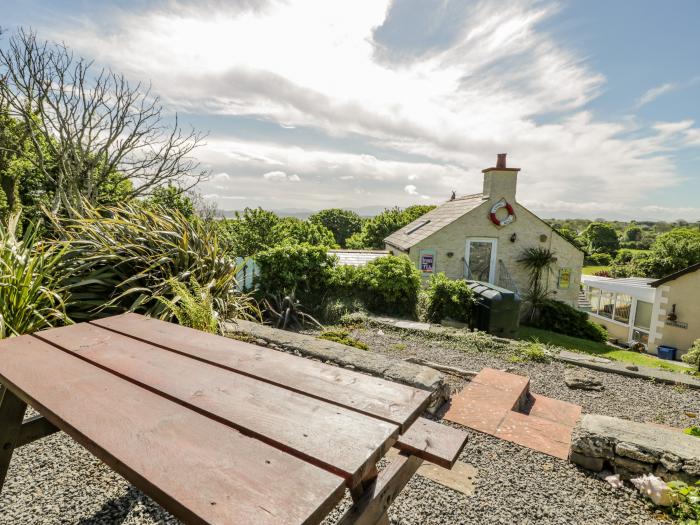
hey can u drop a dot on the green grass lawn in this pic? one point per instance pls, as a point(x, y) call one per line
point(591, 270)
point(585, 346)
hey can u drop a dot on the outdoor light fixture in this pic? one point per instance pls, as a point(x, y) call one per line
point(672, 316)
point(450, 254)
point(513, 237)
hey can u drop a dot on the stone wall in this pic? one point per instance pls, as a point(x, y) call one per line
point(631, 449)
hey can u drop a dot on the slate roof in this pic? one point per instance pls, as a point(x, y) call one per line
point(357, 257)
point(433, 221)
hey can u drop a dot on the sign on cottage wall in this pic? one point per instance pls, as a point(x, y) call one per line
point(564, 278)
point(427, 261)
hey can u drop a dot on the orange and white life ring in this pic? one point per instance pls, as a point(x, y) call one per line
point(507, 220)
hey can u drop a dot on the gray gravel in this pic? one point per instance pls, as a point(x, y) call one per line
point(56, 481)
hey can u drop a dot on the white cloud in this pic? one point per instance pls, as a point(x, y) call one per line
point(654, 93)
point(410, 189)
point(445, 113)
point(280, 176)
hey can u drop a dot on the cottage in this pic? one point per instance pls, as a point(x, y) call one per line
point(482, 236)
point(653, 312)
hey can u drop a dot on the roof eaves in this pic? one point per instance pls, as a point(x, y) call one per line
point(675, 275)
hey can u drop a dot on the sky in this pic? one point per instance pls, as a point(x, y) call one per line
point(363, 104)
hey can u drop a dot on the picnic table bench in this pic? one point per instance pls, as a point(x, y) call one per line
point(217, 430)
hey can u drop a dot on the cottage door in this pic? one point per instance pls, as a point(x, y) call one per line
point(480, 260)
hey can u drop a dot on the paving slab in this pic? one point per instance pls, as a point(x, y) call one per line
point(461, 477)
point(554, 410)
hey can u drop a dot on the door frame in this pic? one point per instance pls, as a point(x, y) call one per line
point(494, 255)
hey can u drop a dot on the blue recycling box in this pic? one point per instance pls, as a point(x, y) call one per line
point(667, 352)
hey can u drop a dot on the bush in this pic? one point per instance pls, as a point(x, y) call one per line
point(447, 298)
point(388, 284)
point(127, 258)
point(31, 295)
point(599, 259)
point(564, 319)
point(692, 357)
point(300, 269)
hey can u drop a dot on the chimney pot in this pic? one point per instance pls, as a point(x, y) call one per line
point(501, 160)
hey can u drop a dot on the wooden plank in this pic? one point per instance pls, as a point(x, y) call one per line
point(436, 443)
point(34, 428)
point(332, 437)
point(197, 468)
point(369, 395)
point(12, 411)
point(372, 508)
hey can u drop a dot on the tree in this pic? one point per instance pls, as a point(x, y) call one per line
point(172, 198)
point(342, 223)
point(672, 252)
point(633, 233)
point(600, 237)
point(98, 129)
point(376, 229)
point(251, 231)
point(295, 231)
point(570, 235)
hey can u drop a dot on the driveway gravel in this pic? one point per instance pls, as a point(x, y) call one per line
point(55, 481)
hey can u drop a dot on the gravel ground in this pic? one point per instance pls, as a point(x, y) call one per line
point(55, 481)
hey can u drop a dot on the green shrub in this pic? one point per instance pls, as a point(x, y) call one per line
point(692, 357)
point(533, 351)
point(448, 298)
point(342, 337)
point(300, 269)
point(192, 306)
point(599, 259)
point(693, 430)
point(126, 258)
point(559, 317)
point(31, 295)
point(686, 507)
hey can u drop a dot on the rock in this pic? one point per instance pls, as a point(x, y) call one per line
point(671, 462)
point(580, 379)
point(629, 468)
point(636, 452)
point(634, 368)
point(261, 342)
point(587, 462)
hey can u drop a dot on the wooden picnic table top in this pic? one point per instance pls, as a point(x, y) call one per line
point(215, 429)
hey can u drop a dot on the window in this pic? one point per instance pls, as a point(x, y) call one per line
point(638, 336)
point(594, 298)
point(607, 303)
point(623, 305)
point(642, 315)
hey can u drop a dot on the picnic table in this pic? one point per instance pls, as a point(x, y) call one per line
point(217, 430)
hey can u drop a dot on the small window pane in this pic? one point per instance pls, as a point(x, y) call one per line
point(594, 298)
point(642, 316)
point(623, 304)
point(640, 337)
point(607, 303)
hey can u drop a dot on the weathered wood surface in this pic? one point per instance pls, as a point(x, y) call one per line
point(337, 439)
point(436, 443)
point(197, 468)
point(12, 410)
point(393, 402)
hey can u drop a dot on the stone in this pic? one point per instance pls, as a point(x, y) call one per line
point(671, 462)
point(632, 367)
point(636, 452)
point(577, 378)
point(630, 468)
point(587, 462)
point(261, 342)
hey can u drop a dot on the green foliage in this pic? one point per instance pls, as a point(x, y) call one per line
point(570, 235)
point(342, 337)
point(302, 269)
point(537, 261)
point(287, 312)
point(533, 351)
point(633, 234)
point(686, 508)
point(295, 231)
point(171, 198)
point(447, 298)
point(376, 229)
point(693, 430)
point(692, 356)
point(598, 259)
point(564, 319)
point(125, 258)
point(670, 252)
point(31, 295)
point(600, 237)
point(250, 232)
point(388, 284)
point(335, 309)
point(342, 223)
point(192, 306)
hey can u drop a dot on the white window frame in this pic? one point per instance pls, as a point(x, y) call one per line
point(494, 255)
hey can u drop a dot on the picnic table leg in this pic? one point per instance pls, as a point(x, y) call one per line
point(370, 508)
point(12, 411)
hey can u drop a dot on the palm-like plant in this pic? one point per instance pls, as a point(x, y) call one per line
point(538, 262)
point(128, 258)
point(31, 296)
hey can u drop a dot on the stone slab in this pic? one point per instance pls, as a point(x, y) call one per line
point(536, 433)
point(461, 477)
point(617, 367)
point(554, 410)
point(380, 365)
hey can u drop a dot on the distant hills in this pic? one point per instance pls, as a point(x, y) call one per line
point(303, 213)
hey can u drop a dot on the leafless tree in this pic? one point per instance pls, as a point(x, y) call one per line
point(89, 128)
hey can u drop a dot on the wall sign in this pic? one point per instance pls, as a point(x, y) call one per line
point(677, 324)
point(427, 261)
point(564, 278)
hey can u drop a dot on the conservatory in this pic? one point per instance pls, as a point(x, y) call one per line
point(624, 306)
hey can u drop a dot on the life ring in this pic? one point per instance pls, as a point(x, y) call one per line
point(502, 204)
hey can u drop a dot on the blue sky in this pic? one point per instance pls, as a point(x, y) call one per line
point(320, 103)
